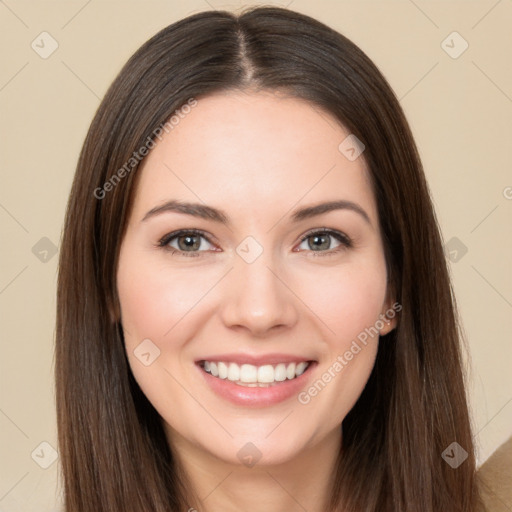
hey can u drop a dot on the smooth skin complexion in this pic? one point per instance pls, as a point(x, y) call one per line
point(258, 157)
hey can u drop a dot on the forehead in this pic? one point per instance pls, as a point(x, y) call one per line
point(249, 153)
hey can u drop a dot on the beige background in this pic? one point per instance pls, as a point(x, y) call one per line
point(460, 110)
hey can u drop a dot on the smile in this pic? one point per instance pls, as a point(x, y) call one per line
point(254, 376)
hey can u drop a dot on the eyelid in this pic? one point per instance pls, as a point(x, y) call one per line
point(333, 232)
point(345, 241)
point(180, 232)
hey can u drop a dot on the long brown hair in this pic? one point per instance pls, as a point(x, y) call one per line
point(113, 450)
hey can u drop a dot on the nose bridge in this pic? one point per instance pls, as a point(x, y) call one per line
point(257, 299)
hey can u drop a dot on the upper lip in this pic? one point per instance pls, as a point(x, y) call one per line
point(259, 360)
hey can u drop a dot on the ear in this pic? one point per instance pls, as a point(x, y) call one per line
point(389, 316)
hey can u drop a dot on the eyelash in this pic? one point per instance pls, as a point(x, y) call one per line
point(344, 240)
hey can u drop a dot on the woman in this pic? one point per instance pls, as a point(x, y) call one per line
point(308, 357)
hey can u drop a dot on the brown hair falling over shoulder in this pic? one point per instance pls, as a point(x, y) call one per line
point(113, 450)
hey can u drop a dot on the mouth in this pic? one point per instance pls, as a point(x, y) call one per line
point(251, 385)
point(251, 376)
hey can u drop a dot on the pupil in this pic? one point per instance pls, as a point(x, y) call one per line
point(320, 237)
point(189, 242)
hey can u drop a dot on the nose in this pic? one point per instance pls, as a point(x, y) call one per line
point(257, 298)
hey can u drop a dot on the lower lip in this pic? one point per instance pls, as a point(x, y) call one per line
point(256, 396)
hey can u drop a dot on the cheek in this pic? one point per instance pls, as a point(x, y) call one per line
point(154, 299)
point(348, 299)
point(349, 302)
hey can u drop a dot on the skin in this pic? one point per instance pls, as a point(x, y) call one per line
point(257, 156)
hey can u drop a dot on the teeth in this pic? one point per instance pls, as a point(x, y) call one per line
point(280, 372)
point(223, 370)
point(248, 373)
point(266, 373)
point(301, 368)
point(233, 372)
point(251, 376)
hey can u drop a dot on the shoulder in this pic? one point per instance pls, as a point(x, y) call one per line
point(495, 479)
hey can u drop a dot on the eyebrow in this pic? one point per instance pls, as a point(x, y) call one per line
point(209, 213)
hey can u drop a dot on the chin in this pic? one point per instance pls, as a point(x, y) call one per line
point(259, 450)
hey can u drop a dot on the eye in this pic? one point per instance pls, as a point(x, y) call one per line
point(321, 239)
point(189, 242)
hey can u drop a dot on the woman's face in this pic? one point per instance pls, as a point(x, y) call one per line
point(266, 281)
